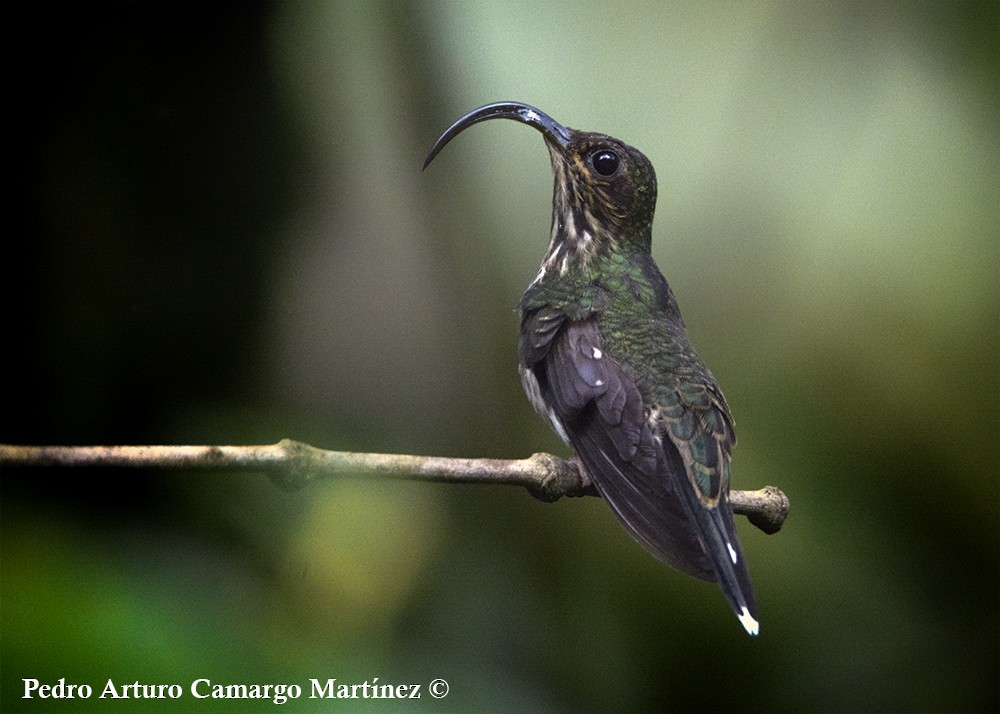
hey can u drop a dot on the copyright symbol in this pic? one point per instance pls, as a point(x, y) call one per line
point(438, 689)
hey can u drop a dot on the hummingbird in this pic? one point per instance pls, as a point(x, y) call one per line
point(605, 358)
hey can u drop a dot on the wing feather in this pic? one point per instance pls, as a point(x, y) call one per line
point(663, 468)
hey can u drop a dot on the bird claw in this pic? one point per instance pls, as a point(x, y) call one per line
point(587, 487)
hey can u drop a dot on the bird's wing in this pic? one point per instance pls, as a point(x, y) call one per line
point(697, 444)
point(662, 468)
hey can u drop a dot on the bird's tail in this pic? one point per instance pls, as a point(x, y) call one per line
point(718, 538)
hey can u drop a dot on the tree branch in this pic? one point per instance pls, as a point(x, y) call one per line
point(293, 464)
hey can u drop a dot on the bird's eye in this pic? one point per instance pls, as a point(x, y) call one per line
point(605, 162)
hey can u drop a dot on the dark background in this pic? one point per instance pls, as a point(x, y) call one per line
point(216, 230)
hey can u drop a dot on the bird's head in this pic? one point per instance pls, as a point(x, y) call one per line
point(604, 191)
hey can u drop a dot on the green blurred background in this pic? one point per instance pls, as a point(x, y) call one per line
point(216, 230)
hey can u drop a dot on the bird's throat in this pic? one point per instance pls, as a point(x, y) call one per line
point(576, 237)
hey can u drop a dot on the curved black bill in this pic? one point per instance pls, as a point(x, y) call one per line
point(518, 111)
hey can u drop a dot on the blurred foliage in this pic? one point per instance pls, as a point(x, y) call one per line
point(216, 230)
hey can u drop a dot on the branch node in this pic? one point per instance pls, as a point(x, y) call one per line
point(766, 508)
point(298, 468)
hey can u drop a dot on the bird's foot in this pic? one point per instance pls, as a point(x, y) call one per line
point(587, 487)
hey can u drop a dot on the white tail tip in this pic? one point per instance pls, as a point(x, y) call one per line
point(750, 624)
